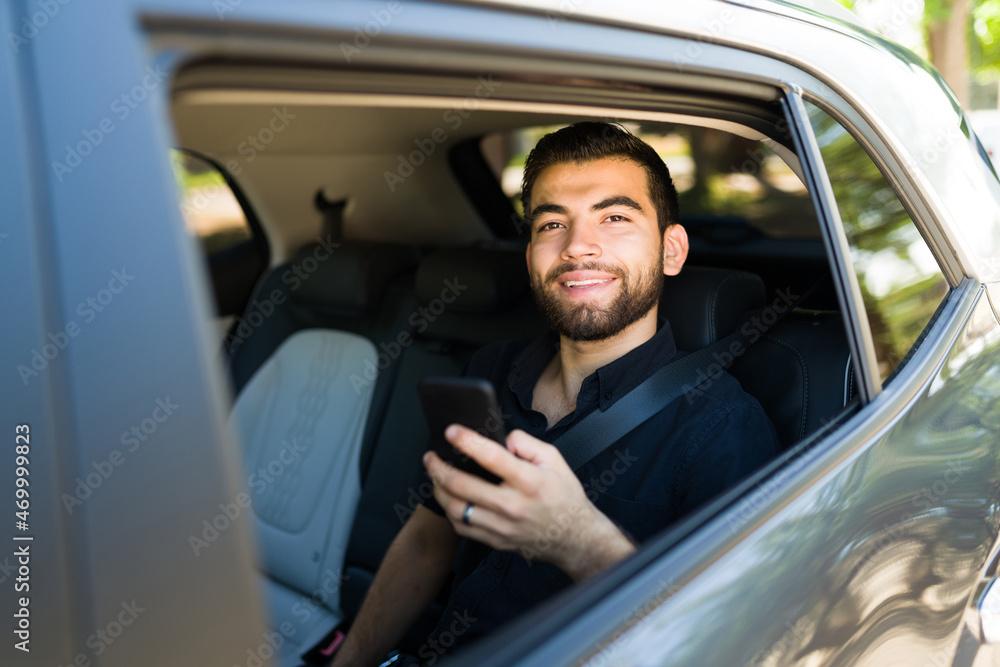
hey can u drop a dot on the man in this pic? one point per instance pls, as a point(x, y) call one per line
point(604, 232)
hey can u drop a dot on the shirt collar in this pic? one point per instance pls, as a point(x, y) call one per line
point(614, 379)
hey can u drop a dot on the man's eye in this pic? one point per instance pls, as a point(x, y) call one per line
point(616, 218)
point(547, 225)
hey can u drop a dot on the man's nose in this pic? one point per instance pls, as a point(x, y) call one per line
point(582, 241)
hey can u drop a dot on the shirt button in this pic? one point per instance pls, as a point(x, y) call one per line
point(498, 563)
point(607, 395)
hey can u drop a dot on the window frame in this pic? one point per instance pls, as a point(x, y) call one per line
point(692, 536)
point(860, 338)
point(258, 237)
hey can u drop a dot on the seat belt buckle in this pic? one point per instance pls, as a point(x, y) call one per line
point(321, 653)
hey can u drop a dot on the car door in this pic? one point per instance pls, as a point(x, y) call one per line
point(113, 410)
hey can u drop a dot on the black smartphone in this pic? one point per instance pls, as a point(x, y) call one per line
point(470, 402)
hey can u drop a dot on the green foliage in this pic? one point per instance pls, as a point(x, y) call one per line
point(900, 296)
point(984, 29)
point(984, 43)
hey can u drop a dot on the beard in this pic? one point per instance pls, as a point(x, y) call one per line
point(638, 293)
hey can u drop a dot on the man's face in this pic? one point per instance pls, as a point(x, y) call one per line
point(596, 257)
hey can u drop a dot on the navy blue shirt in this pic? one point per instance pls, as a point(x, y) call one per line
point(697, 446)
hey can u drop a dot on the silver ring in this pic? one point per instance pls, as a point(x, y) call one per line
point(467, 514)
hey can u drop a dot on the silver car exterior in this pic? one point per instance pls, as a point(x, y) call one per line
point(869, 548)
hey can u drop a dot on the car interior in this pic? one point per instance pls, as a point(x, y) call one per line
point(361, 232)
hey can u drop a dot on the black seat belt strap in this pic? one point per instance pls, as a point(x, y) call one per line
point(598, 430)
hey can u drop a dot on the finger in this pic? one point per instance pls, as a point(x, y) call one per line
point(484, 525)
point(535, 451)
point(438, 469)
point(465, 486)
point(487, 453)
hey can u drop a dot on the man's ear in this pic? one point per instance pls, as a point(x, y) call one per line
point(527, 257)
point(675, 249)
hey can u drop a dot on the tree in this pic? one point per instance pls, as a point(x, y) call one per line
point(947, 24)
point(961, 37)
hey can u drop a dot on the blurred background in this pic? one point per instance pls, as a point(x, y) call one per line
point(961, 38)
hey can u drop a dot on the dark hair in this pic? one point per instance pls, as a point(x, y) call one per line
point(588, 141)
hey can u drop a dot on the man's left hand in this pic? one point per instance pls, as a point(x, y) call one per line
point(539, 508)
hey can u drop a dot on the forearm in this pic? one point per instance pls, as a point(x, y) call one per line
point(415, 567)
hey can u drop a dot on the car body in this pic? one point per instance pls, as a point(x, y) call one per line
point(872, 540)
point(987, 124)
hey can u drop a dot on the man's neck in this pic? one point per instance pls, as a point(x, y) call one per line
point(578, 359)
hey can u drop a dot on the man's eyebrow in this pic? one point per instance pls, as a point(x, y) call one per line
point(547, 208)
point(617, 200)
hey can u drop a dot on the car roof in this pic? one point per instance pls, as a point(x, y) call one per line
point(838, 64)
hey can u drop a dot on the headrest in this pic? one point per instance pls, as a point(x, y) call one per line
point(704, 304)
point(350, 275)
point(473, 280)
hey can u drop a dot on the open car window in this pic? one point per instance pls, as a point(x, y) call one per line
point(218, 214)
point(901, 283)
point(742, 199)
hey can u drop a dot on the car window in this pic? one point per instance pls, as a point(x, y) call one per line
point(721, 178)
point(901, 282)
point(218, 214)
point(210, 209)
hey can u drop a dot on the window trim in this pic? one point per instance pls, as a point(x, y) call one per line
point(913, 198)
point(817, 181)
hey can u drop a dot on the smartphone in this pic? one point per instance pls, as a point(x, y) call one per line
point(470, 402)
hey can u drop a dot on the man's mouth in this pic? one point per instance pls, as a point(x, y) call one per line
point(586, 283)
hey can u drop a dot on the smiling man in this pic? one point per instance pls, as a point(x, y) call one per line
point(604, 232)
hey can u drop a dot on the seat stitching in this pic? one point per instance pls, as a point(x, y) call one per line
point(850, 380)
point(805, 380)
point(712, 307)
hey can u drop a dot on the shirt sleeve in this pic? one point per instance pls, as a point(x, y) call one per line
point(731, 448)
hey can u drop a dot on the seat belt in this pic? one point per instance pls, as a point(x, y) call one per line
point(599, 430)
